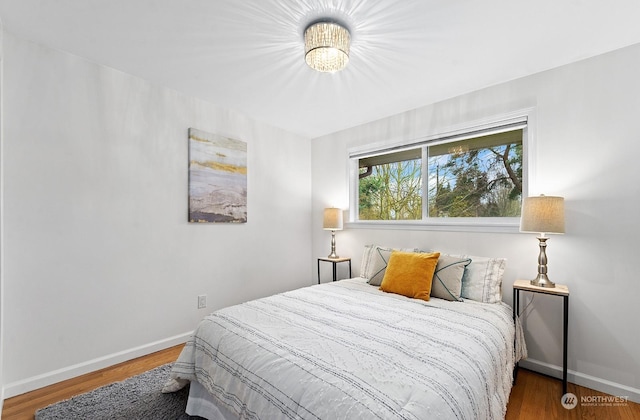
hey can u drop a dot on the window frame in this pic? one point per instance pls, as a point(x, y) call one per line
point(523, 119)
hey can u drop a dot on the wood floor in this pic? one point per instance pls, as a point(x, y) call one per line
point(533, 397)
point(536, 396)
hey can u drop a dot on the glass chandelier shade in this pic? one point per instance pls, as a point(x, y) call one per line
point(326, 46)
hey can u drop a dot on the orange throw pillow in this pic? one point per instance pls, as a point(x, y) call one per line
point(410, 274)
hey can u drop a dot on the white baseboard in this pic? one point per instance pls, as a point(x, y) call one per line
point(46, 379)
point(587, 381)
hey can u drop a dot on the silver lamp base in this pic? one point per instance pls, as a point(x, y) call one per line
point(542, 280)
point(333, 245)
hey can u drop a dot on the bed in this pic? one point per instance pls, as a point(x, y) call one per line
point(347, 350)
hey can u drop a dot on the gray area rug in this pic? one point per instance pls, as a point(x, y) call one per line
point(138, 397)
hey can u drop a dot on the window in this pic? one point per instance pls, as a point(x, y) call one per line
point(475, 174)
point(390, 186)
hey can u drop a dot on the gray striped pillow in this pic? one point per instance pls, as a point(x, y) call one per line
point(447, 279)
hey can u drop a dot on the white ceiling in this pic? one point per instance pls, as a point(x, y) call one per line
point(247, 55)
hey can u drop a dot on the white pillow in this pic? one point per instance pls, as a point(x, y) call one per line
point(482, 279)
point(374, 262)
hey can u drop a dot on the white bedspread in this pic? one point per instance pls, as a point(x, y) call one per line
point(346, 350)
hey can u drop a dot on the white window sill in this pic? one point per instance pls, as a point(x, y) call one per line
point(484, 225)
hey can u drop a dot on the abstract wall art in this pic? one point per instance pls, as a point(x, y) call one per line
point(217, 178)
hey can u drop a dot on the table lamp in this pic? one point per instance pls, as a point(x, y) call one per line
point(542, 214)
point(332, 221)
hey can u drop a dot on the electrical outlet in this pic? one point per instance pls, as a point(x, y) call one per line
point(202, 301)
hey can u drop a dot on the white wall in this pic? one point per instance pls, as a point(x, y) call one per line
point(100, 264)
point(1, 227)
point(587, 151)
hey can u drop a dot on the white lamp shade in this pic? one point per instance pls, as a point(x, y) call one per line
point(332, 219)
point(543, 214)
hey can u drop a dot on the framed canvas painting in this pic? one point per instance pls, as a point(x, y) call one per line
point(217, 178)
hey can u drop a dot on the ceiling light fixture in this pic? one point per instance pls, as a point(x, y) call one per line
point(326, 46)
